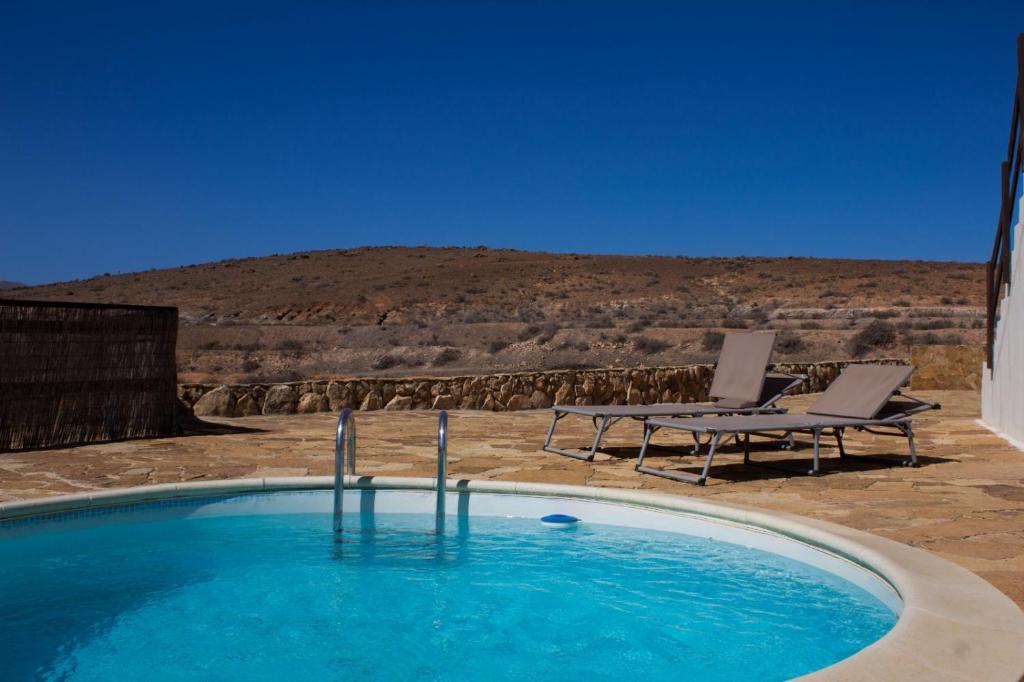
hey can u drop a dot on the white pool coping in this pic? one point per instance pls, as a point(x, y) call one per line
point(953, 625)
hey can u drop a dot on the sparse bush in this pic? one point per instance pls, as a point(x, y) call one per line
point(810, 325)
point(447, 357)
point(902, 303)
point(599, 322)
point(578, 345)
point(933, 339)
point(648, 345)
point(477, 316)
point(878, 334)
point(634, 327)
point(530, 332)
point(934, 324)
point(250, 365)
point(497, 346)
point(289, 344)
point(712, 340)
point(789, 342)
point(547, 333)
point(210, 345)
point(386, 362)
point(734, 323)
point(946, 300)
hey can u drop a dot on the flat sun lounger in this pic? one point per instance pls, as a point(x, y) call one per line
point(741, 385)
point(863, 397)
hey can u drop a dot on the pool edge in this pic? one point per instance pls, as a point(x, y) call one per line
point(954, 625)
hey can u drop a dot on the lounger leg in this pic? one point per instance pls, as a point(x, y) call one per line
point(597, 438)
point(575, 454)
point(551, 429)
point(817, 439)
point(790, 442)
point(675, 475)
point(711, 455)
point(746, 448)
point(839, 442)
point(907, 429)
point(648, 432)
point(696, 443)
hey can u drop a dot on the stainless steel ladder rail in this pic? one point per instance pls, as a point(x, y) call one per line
point(345, 440)
point(442, 468)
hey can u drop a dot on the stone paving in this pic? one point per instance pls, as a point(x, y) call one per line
point(965, 503)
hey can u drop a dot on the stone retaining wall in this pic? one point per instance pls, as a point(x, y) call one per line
point(496, 392)
point(946, 367)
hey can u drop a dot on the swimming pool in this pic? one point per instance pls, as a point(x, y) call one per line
point(256, 586)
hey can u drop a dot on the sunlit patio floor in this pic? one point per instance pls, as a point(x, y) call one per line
point(965, 502)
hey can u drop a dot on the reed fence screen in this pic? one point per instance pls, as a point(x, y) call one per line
point(74, 373)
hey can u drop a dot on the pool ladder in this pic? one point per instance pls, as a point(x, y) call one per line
point(345, 463)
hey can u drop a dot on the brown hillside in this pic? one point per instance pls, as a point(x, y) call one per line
point(400, 310)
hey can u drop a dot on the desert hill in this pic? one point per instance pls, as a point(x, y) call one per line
point(400, 310)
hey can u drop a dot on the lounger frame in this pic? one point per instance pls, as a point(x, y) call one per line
point(896, 424)
point(604, 420)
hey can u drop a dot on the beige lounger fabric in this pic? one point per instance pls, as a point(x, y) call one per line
point(658, 410)
point(861, 391)
point(742, 363)
point(755, 423)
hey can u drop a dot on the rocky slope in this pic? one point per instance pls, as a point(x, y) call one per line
point(398, 310)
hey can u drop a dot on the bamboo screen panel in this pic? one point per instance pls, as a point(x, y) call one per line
point(75, 373)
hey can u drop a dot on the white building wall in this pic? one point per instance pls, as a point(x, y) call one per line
point(1002, 390)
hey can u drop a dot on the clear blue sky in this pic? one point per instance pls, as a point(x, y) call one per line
point(143, 135)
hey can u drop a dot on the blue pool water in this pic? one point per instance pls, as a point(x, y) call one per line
point(274, 597)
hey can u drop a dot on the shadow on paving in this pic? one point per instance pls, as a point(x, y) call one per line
point(773, 467)
point(193, 426)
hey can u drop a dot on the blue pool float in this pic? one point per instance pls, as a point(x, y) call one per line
point(559, 521)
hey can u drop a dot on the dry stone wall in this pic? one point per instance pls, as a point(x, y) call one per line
point(496, 392)
point(946, 367)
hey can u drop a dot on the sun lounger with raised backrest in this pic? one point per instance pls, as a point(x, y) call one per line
point(740, 385)
point(863, 397)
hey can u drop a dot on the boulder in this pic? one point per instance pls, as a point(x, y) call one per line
point(372, 401)
point(399, 402)
point(280, 400)
point(216, 403)
point(492, 405)
point(540, 400)
point(444, 402)
point(339, 396)
point(246, 406)
point(518, 402)
point(506, 391)
point(563, 396)
point(313, 402)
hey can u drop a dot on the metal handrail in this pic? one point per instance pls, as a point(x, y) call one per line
point(344, 440)
point(442, 467)
point(997, 271)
